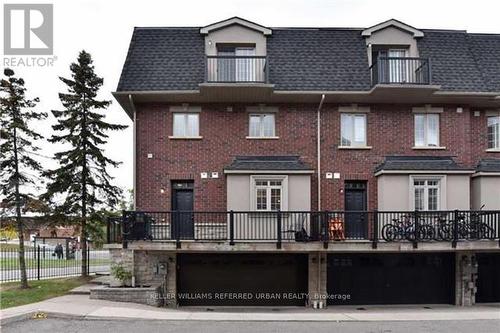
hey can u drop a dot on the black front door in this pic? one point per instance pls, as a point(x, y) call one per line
point(356, 225)
point(182, 210)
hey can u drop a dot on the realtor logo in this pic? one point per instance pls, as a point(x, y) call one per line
point(28, 29)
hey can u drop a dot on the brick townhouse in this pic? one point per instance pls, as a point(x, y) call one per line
point(314, 166)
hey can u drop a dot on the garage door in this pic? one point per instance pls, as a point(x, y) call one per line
point(242, 279)
point(488, 278)
point(390, 279)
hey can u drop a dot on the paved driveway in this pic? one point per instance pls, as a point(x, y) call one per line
point(52, 325)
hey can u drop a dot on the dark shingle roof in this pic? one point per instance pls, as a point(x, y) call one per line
point(453, 64)
point(164, 59)
point(318, 59)
point(488, 165)
point(419, 163)
point(277, 163)
point(309, 59)
point(486, 51)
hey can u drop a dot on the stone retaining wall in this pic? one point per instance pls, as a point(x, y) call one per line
point(147, 296)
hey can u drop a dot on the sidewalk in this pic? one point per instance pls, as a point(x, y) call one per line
point(83, 307)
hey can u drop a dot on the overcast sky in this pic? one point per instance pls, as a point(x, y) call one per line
point(104, 28)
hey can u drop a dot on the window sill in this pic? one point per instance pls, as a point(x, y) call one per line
point(185, 137)
point(428, 148)
point(493, 150)
point(262, 137)
point(354, 147)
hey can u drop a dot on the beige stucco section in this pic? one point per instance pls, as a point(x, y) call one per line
point(393, 36)
point(235, 34)
point(395, 191)
point(238, 192)
point(485, 191)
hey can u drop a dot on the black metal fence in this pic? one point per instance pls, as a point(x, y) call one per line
point(234, 69)
point(279, 227)
point(45, 262)
point(401, 70)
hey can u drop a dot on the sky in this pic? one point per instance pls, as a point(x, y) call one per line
point(104, 28)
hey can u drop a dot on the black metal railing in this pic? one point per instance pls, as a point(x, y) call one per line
point(307, 226)
point(401, 70)
point(44, 261)
point(236, 69)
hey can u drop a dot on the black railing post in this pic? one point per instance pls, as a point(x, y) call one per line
point(176, 228)
point(108, 229)
point(497, 219)
point(326, 234)
point(125, 229)
point(231, 227)
point(88, 257)
point(375, 229)
point(38, 263)
point(278, 229)
point(455, 229)
point(416, 226)
point(266, 64)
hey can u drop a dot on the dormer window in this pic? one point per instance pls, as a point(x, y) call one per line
point(393, 54)
point(236, 52)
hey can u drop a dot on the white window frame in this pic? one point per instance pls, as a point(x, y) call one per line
point(186, 124)
point(261, 125)
point(354, 143)
point(283, 188)
point(496, 132)
point(426, 129)
point(441, 191)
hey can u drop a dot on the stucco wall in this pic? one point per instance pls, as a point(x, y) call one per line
point(486, 191)
point(238, 192)
point(394, 192)
point(235, 34)
point(393, 36)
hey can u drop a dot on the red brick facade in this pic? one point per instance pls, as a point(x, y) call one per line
point(390, 132)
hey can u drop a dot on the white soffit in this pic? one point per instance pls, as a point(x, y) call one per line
point(235, 20)
point(392, 23)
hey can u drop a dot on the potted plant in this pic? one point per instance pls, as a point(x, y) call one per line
point(121, 277)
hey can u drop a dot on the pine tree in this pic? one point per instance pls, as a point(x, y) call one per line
point(16, 153)
point(81, 185)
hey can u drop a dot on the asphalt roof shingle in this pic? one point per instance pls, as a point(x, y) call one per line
point(271, 163)
point(309, 59)
point(488, 165)
point(421, 163)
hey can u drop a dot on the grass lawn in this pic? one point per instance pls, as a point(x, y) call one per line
point(12, 295)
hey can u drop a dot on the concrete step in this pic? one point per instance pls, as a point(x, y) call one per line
point(103, 279)
point(84, 289)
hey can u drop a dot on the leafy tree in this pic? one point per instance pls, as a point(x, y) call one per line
point(81, 185)
point(16, 153)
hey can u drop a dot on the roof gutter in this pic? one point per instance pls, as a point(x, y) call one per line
point(318, 147)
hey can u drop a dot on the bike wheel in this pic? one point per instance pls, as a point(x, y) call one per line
point(389, 232)
point(429, 232)
point(486, 232)
point(445, 233)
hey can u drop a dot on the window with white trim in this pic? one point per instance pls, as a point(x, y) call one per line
point(261, 125)
point(268, 194)
point(426, 194)
point(186, 124)
point(353, 130)
point(427, 130)
point(494, 132)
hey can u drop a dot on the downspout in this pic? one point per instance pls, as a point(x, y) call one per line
point(318, 147)
point(134, 153)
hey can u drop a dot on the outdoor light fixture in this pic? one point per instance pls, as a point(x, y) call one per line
point(162, 190)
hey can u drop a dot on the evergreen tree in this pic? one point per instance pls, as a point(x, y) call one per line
point(16, 153)
point(81, 185)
